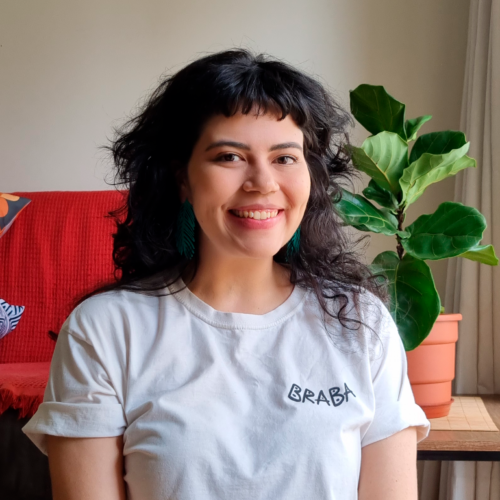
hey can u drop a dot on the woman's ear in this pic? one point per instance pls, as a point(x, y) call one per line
point(182, 182)
point(184, 192)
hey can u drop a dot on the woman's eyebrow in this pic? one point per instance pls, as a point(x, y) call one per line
point(241, 145)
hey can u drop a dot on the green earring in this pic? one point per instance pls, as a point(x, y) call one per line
point(293, 245)
point(184, 233)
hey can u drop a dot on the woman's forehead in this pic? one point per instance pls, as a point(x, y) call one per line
point(262, 128)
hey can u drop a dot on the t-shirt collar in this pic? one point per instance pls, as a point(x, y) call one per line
point(240, 321)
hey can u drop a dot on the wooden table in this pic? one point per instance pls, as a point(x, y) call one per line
point(465, 445)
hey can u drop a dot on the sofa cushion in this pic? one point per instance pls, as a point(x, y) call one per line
point(9, 317)
point(10, 207)
point(22, 386)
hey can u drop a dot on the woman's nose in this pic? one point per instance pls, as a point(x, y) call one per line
point(261, 178)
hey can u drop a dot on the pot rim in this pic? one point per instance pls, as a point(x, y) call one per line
point(449, 317)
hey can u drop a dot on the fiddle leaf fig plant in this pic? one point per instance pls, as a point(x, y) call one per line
point(399, 176)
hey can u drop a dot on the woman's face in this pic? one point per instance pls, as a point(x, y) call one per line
point(249, 184)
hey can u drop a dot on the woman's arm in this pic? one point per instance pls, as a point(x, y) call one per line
point(389, 468)
point(86, 468)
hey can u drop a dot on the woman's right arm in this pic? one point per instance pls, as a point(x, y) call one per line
point(86, 468)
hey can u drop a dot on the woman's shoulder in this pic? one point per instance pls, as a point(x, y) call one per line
point(362, 305)
point(359, 319)
point(380, 329)
point(107, 312)
point(372, 309)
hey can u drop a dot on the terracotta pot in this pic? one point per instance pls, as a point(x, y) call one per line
point(431, 367)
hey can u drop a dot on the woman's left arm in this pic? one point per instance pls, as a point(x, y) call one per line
point(389, 468)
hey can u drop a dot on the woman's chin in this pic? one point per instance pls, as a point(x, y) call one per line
point(260, 253)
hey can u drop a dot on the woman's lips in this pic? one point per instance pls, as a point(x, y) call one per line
point(250, 221)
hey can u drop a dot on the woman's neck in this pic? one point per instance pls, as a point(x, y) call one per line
point(251, 286)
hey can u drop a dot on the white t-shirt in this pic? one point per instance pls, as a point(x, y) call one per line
point(217, 405)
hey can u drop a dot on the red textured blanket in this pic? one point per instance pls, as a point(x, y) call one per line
point(22, 386)
point(60, 247)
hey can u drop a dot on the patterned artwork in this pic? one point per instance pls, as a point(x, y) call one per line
point(10, 208)
point(9, 317)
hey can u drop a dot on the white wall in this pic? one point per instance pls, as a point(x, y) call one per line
point(71, 70)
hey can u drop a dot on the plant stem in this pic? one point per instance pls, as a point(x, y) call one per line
point(401, 218)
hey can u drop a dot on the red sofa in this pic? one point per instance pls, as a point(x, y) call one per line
point(59, 247)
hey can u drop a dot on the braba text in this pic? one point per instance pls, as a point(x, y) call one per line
point(336, 396)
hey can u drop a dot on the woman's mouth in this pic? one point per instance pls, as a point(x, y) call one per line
point(256, 214)
point(256, 219)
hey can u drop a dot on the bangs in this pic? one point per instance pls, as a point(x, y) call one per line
point(258, 87)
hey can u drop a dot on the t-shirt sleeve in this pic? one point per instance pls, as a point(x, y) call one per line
point(80, 399)
point(395, 407)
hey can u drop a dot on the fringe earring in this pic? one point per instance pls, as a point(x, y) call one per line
point(293, 245)
point(184, 233)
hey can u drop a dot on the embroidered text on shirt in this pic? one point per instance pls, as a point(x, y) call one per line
point(337, 399)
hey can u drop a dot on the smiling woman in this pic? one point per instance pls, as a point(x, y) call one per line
point(244, 351)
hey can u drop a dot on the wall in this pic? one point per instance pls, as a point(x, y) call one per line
point(70, 71)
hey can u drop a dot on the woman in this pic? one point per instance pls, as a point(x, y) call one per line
point(244, 352)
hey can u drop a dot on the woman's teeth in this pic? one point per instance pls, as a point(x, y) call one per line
point(256, 214)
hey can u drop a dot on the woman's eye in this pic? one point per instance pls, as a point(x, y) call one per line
point(288, 162)
point(224, 157)
point(232, 157)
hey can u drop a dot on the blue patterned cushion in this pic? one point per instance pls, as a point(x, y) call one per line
point(9, 317)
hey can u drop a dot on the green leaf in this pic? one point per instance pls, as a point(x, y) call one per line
point(429, 169)
point(377, 110)
point(382, 196)
point(437, 143)
point(358, 212)
point(415, 302)
point(383, 157)
point(485, 254)
point(449, 232)
point(413, 125)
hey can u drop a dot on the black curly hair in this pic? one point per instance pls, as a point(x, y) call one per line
point(154, 147)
